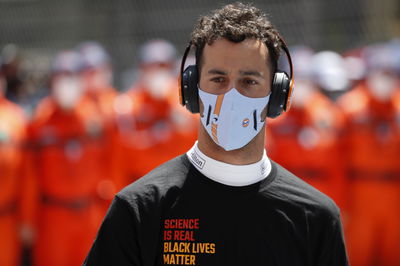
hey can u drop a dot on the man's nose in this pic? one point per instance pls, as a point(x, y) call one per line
point(231, 85)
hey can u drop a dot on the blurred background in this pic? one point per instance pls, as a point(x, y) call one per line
point(89, 103)
point(42, 28)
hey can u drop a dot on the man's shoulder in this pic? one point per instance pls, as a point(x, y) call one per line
point(297, 193)
point(154, 185)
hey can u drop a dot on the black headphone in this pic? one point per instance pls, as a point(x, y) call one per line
point(281, 89)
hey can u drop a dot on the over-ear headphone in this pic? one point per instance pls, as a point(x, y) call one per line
point(281, 89)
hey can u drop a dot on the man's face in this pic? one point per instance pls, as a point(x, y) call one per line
point(382, 84)
point(97, 79)
point(244, 66)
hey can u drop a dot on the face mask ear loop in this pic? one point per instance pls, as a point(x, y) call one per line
point(208, 115)
point(255, 119)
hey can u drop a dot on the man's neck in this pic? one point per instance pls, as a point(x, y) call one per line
point(251, 153)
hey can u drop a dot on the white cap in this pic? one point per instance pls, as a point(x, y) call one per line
point(329, 71)
point(66, 61)
point(157, 51)
point(93, 55)
point(301, 58)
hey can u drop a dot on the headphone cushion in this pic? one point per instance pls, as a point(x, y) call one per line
point(190, 93)
point(279, 94)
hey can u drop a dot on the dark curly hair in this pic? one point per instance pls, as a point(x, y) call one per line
point(236, 22)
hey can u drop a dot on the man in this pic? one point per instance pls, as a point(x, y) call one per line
point(96, 75)
point(12, 133)
point(149, 120)
point(63, 170)
point(371, 151)
point(309, 133)
point(225, 202)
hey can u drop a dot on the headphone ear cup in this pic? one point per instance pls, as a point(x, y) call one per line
point(189, 90)
point(279, 94)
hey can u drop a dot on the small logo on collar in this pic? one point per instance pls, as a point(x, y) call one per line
point(197, 160)
point(263, 168)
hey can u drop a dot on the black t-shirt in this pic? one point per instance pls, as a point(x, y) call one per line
point(176, 216)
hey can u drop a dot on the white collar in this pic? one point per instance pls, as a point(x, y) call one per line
point(229, 174)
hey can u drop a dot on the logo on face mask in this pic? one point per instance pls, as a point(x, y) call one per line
point(226, 117)
point(245, 122)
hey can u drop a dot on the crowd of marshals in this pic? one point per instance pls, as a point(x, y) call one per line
point(61, 164)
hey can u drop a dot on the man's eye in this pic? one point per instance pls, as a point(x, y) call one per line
point(250, 82)
point(218, 79)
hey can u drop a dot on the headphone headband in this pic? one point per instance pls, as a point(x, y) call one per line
point(291, 84)
point(185, 54)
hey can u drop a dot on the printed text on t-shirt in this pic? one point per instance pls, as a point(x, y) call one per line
point(180, 246)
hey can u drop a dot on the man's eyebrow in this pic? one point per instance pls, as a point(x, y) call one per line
point(251, 73)
point(216, 72)
point(241, 72)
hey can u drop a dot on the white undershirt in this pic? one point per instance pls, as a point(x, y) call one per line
point(229, 174)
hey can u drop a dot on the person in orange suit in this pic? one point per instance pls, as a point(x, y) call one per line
point(63, 169)
point(152, 126)
point(12, 132)
point(96, 74)
point(372, 152)
point(305, 140)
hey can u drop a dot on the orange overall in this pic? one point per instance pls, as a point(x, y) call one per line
point(372, 152)
point(12, 128)
point(305, 141)
point(103, 104)
point(152, 131)
point(63, 170)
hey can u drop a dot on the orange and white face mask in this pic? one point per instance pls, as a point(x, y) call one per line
point(232, 119)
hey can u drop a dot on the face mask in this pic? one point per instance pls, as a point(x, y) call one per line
point(67, 92)
point(158, 83)
point(231, 119)
point(381, 86)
